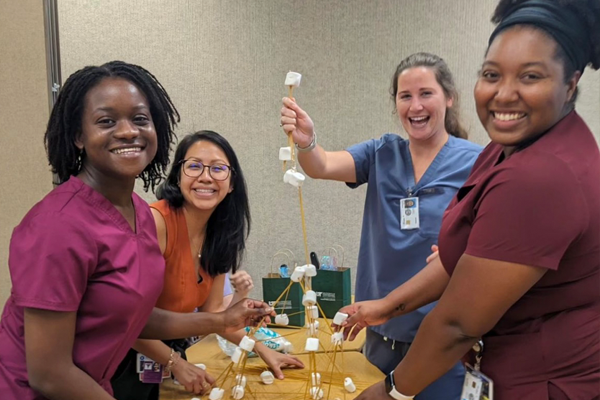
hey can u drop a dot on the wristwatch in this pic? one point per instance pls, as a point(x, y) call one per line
point(390, 388)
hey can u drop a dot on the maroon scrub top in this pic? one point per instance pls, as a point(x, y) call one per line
point(538, 207)
point(74, 252)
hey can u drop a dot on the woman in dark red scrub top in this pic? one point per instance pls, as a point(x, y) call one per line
point(519, 263)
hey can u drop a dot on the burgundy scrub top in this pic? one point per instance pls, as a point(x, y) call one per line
point(74, 252)
point(538, 207)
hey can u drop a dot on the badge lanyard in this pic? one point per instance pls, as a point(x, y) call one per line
point(477, 386)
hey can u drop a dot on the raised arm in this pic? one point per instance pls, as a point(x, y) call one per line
point(317, 163)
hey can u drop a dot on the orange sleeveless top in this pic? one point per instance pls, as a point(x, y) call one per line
point(181, 291)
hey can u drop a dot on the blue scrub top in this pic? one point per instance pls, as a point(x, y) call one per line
point(389, 256)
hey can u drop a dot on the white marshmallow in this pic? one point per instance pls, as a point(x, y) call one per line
point(288, 347)
point(316, 393)
point(216, 394)
point(237, 392)
point(267, 377)
point(240, 380)
point(313, 311)
point(201, 366)
point(282, 319)
point(316, 380)
point(195, 398)
point(309, 298)
point(349, 385)
point(312, 344)
point(311, 270)
point(298, 274)
point(293, 79)
point(337, 338)
point(339, 318)
point(312, 329)
point(294, 178)
point(285, 153)
point(237, 354)
point(247, 344)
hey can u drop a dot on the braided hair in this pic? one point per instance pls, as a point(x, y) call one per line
point(64, 125)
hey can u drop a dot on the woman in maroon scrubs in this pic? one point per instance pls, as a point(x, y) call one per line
point(519, 264)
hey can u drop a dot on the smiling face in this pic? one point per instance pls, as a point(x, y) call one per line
point(421, 103)
point(521, 91)
point(204, 192)
point(117, 132)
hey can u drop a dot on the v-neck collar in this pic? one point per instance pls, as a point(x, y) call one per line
point(102, 204)
point(430, 172)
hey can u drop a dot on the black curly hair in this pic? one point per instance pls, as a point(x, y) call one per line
point(64, 125)
point(588, 12)
point(229, 224)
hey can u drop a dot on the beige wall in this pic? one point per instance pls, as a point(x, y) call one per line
point(224, 63)
point(25, 176)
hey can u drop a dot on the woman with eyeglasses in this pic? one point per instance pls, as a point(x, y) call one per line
point(202, 220)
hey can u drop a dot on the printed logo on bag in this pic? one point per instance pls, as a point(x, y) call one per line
point(326, 296)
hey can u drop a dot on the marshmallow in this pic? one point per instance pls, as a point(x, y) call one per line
point(240, 380)
point(349, 385)
point(298, 274)
point(316, 380)
point(311, 270)
point(316, 393)
point(201, 366)
point(195, 398)
point(337, 338)
point(237, 354)
point(288, 347)
point(294, 178)
point(293, 79)
point(216, 394)
point(247, 344)
point(313, 311)
point(267, 377)
point(312, 329)
point(339, 318)
point(285, 154)
point(282, 319)
point(237, 392)
point(309, 298)
point(312, 344)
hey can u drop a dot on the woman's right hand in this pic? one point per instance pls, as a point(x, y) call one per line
point(296, 121)
point(194, 379)
point(363, 314)
point(246, 312)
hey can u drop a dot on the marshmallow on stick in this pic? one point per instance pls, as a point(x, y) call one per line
point(292, 80)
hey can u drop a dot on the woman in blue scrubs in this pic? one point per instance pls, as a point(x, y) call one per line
point(410, 183)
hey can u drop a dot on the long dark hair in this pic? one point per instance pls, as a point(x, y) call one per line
point(229, 224)
point(444, 78)
point(64, 125)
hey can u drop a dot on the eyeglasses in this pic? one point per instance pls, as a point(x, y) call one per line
point(193, 169)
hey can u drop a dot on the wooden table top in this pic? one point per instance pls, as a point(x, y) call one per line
point(295, 386)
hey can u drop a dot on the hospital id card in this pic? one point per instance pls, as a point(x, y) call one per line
point(476, 386)
point(409, 213)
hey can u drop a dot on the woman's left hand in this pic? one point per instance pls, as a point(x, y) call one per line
point(374, 392)
point(276, 361)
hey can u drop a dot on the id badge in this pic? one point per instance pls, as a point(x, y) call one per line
point(477, 386)
point(152, 372)
point(409, 213)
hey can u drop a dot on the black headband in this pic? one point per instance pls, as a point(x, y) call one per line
point(561, 23)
